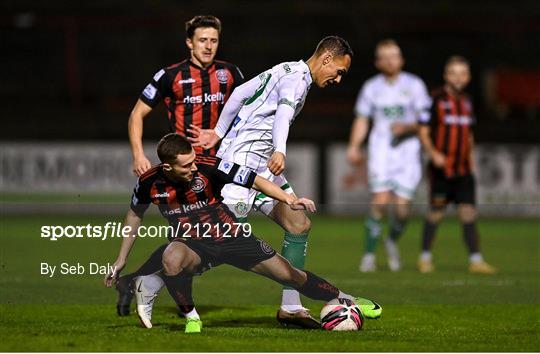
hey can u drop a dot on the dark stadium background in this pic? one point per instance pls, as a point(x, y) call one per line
point(73, 70)
point(70, 72)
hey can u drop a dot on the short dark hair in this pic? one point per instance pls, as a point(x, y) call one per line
point(456, 59)
point(335, 45)
point(171, 145)
point(202, 21)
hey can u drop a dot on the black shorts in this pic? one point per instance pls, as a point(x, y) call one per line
point(241, 252)
point(444, 190)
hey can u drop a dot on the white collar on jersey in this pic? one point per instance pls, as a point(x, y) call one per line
point(307, 73)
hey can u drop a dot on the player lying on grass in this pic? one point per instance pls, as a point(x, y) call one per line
point(186, 189)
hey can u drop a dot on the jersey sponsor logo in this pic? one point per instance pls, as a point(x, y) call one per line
point(187, 81)
point(161, 195)
point(150, 92)
point(198, 184)
point(458, 120)
point(241, 176)
point(222, 76)
point(225, 166)
point(158, 75)
point(186, 208)
point(206, 98)
point(287, 68)
point(393, 112)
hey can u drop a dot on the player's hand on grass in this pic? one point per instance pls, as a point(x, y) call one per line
point(206, 138)
point(141, 164)
point(355, 156)
point(276, 164)
point(438, 159)
point(112, 275)
point(302, 204)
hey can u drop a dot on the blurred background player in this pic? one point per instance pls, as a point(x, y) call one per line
point(448, 141)
point(194, 91)
point(261, 111)
point(394, 100)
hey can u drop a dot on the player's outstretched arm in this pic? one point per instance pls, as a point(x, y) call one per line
point(205, 138)
point(208, 138)
point(135, 129)
point(133, 221)
point(272, 190)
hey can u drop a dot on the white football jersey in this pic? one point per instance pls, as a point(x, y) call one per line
point(249, 142)
point(404, 100)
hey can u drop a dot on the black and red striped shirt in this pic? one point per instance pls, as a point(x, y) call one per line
point(193, 95)
point(196, 202)
point(451, 124)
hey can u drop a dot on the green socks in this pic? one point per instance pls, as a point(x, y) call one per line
point(294, 249)
point(373, 233)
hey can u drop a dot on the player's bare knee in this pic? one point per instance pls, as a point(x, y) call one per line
point(172, 260)
point(171, 266)
point(467, 213)
point(378, 210)
point(302, 226)
point(435, 215)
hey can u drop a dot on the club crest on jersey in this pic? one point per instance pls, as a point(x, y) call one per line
point(222, 76)
point(241, 209)
point(198, 184)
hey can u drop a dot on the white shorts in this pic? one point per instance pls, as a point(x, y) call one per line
point(240, 200)
point(400, 175)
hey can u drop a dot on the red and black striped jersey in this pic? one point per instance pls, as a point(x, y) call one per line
point(451, 124)
point(193, 95)
point(196, 202)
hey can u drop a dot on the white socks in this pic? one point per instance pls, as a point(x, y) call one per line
point(425, 256)
point(476, 258)
point(192, 314)
point(290, 301)
point(153, 283)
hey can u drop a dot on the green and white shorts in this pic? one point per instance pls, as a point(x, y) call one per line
point(241, 200)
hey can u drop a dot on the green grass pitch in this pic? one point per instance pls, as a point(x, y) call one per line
point(449, 310)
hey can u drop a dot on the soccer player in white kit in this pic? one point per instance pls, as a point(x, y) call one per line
point(394, 100)
point(254, 126)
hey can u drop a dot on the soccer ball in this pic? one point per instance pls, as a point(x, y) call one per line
point(341, 315)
